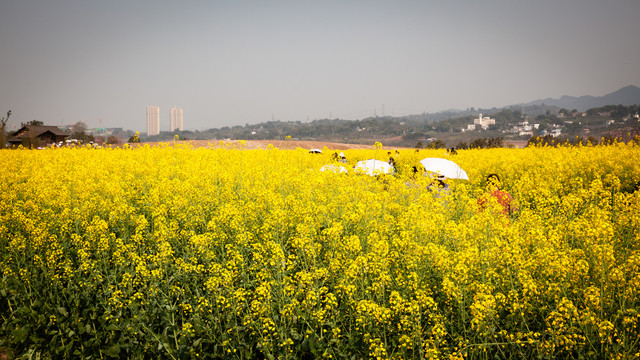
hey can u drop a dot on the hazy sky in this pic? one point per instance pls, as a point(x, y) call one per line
point(236, 62)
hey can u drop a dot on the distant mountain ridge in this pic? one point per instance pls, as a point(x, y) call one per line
point(628, 95)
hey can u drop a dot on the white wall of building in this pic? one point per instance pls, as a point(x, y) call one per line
point(176, 119)
point(153, 120)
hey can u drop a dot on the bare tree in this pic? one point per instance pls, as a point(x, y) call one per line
point(3, 124)
point(79, 131)
point(79, 127)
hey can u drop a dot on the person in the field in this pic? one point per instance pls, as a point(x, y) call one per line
point(493, 185)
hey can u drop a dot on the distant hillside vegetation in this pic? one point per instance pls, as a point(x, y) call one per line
point(629, 95)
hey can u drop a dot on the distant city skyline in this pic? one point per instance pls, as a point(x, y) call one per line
point(236, 63)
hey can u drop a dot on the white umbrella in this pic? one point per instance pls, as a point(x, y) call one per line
point(374, 167)
point(315, 151)
point(334, 168)
point(444, 167)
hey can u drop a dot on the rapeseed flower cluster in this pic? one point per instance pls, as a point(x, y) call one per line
point(223, 252)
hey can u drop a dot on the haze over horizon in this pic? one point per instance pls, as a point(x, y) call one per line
point(229, 63)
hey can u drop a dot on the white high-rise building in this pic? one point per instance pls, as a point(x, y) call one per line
point(153, 120)
point(175, 117)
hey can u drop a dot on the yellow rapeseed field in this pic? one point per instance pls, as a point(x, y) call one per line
point(222, 252)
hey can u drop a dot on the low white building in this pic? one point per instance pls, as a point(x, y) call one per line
point(484, 122)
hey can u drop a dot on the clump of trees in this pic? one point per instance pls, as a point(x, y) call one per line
point(32, 123)
point(436, 144)
point(481, 143)
point(552, 141)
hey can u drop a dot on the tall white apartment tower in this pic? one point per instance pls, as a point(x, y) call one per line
point(153, 120)
point(175, 119)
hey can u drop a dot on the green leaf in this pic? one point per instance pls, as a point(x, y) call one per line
point(113, 351)
point(63, 311)
point(21, 333)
